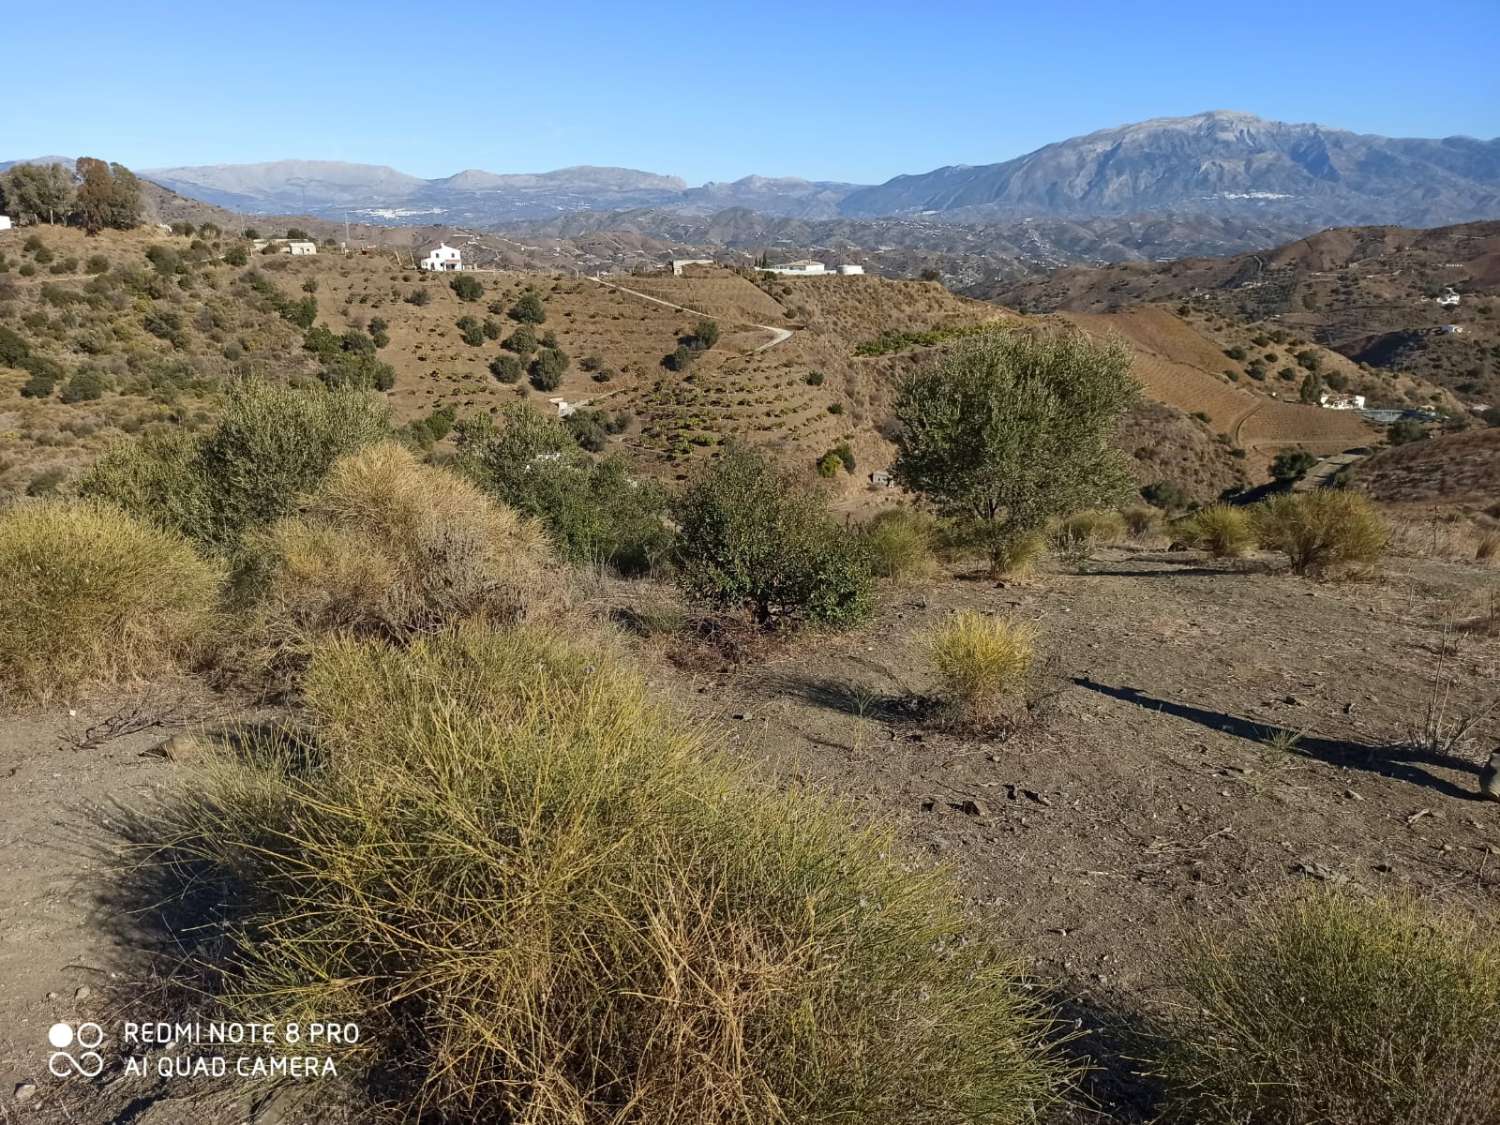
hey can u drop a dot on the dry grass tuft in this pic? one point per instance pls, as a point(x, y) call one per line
point(981, 659)
point(1323, 530)
point(391, 548)
point(1223, 531)
point(543, 901)
point(1092, 527)
point(1142, 521)
point(899, 542)
point(1337, 1010)
point(92, 596)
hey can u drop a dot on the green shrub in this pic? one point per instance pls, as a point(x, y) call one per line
point(467, 287)
point(529, 309)
point(506, 368)
point(271, 445)
point(1141, 520)
point(753, 538)
point(1291, 465)
point(899, 543)
point(548, 368)
point(390, 548)
point(1166, 495)
point(706, 333)
point(1225, 532)
point(1321, 530)
point(594, 511)
point(85, 386)
point(981, 659)
point(95, 597)
point(506, 832)
point(522, 341)
point(1338, 1010)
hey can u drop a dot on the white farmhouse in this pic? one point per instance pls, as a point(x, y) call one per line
point(299, 247)
point(1335, 401)
point(850, 270)
point(806, 267)
point(1449, 299)
point(680, 264)
point(1451, 329)
point(5, 223)
point(444, 258)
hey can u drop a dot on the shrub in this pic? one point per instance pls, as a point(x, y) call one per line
point(467, 287)
point(271, 445)
point(506, 368)
point(548, 368)
point(1141, 520)
point(899, 544)
point(753, 538)
point(471, 331)
point(389, 548)
point(93, 596)
point(529, 309)
point(980, 659)
point(1291, 465)
point(1090, 526)
point(454, 861)
point(1337, 1010)
point(814, 379)
point(706, 333)
point(594, 511)
point(522, 341)
point(1322, 529)
point(1225, 532)
point(680, 360)
point(85, 386)
point(1167, 495)
point(1014, 428)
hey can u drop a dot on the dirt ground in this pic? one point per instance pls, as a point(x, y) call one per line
point(1150, 791)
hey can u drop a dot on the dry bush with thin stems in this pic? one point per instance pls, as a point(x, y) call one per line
point(1141, 520)
point(1454, 538)
point(1322, 530)
point(899, 543)
point(542, 900)
point(1223, 531)
point(1092, 526)
point(1338, 1010)
point(389, 547)
point(1448, 727)
point(92, 596)
point(981, 659)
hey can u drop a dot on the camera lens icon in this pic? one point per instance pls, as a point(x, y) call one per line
point(60, 1035)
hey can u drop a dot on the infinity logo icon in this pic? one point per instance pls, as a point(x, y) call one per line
point(88, 1063)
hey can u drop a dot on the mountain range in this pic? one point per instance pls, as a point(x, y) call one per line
point(1222, 164)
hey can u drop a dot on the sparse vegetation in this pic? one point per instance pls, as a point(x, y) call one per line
point(1322, 530)
point(900, 544)
point(1222, 530)
point(981, 659)
point(1339, 1010)
point(679, 965)
point(95, 597)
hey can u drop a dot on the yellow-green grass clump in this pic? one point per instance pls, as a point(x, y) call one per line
point(542, 900)
point(981, 659)
point(93, 597)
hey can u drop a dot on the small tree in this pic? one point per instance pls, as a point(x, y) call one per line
point(751, 537)
point(1311, 391)
point(506, 368)
point(547, 369)
point(529, 309)
point(1292, 464)
point(1015, 428)
point(706, 333)
point(467, 286)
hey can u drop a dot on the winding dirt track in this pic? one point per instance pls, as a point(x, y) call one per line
point(778, 335)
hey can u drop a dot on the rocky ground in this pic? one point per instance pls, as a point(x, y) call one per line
point(1200, 735)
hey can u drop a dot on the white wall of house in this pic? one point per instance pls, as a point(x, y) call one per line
point(299, 249)
point(444, 257)
point(5, 223)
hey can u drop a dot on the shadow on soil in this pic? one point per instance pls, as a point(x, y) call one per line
point(1110, 1044)
point(1399, 763)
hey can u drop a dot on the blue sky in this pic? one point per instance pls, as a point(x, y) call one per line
point(832, 90)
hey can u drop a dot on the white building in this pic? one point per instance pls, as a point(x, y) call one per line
point(443, 258)
point(5, 223)
point(1335, 401)
point(1449, 299)
point(299, 247)
point(679, 264)
point(1451, 329)
point(564, 407)
point(804, 268)
point(848, 270)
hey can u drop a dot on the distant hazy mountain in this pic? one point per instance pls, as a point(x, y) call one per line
point(785, 196)
point(1215, 163)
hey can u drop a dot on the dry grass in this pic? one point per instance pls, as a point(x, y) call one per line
point(981, 659)
point(1223, 531)
point(542, 901)
point(1338, 1010)
point(1141, 520)
point(392, 548)
point(899, 542)
point(1093, 527)
point(92, 596)
point(1323, 530)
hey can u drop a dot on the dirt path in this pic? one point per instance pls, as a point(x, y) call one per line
point(778, 335)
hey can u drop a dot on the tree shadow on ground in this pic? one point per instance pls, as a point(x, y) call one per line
point(853, 698)
point(1110, 1044)
point(1397, 762)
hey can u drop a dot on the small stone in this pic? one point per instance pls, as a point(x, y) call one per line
point(1352, 795)
point(83, 993)
point(973, 807)
point(929, 803)
point(180, 747)
point(51, 996)
point(25, 1091)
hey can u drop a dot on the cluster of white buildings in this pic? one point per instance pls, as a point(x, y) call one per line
point(297, 247)
point(808, 267)
point(1334, 400)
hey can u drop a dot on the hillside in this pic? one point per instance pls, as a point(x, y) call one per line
point(137, 331)
point(1451, 472)
point(1375, 295)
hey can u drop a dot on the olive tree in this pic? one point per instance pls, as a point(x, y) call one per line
point(1014, 428)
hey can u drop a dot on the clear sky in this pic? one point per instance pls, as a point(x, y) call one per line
point(855, 91)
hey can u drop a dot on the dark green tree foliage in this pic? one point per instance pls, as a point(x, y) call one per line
point(109, 196)
point(548, 368)
point(471, 331)
point(39, 192)
point(706, 333)
point(593, 510)
point(529, 308)
point(752, 538)
point(1311, 391)
point(522, 341)
point(14, 349)
point(349, 360)
point(680, 360)
point(1014, 428)
point(506, 368)
point(1291, 464)
point(467, 286)
point(427, 432)
point(85, 386)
